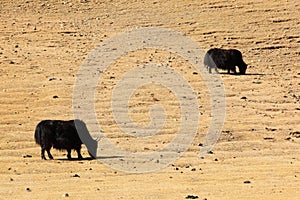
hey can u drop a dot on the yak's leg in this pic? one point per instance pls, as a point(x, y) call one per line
point(216, 70)
point(49, 154)
point(234, 70)
point(69, 154)
point(79, 154)
point(43, 154)
point(228, 71)
point(209, 69)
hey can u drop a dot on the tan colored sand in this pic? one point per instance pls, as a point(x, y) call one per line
point(42, 40)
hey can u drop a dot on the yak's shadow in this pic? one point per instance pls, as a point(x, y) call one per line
point(109, 157)
point(90, 158)
point(251, 74)
point(75, 159)
point(254, 74)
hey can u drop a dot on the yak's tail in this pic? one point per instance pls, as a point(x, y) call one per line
point(43, 132)
point(38, 134)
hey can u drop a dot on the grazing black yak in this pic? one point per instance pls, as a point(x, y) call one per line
point(224, 59)
point(63, 135)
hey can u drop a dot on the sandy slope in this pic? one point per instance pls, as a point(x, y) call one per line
point(43, 44)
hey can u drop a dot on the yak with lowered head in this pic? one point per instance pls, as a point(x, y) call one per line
point(226, 59)
point(63, 135)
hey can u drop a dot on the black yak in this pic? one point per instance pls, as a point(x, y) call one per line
point(224, 59)
point(64, 135)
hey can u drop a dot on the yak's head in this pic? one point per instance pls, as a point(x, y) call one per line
point(243, 68)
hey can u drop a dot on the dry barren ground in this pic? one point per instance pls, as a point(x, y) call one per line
point(43, 44)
